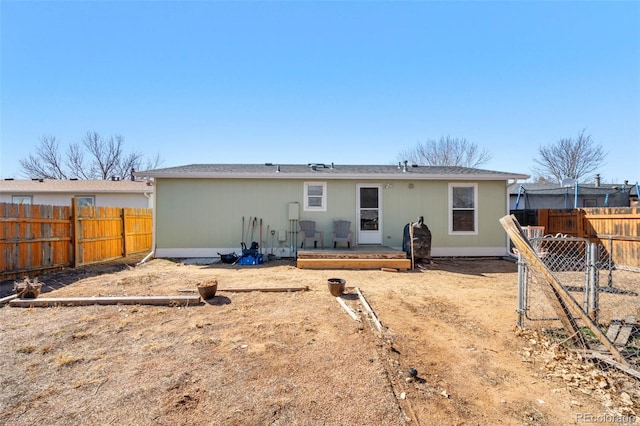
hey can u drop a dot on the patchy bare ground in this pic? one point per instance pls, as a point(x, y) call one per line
point(292, 358)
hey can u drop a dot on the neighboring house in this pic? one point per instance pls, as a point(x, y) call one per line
point(202, 210)
point(98, 193)
point(534, 196)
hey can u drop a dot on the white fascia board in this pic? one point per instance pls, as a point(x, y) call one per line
point(334, 176)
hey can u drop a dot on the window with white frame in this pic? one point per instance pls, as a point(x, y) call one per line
point(315, 196)
point(21, 199)
point(463, 208)
point(86, 201)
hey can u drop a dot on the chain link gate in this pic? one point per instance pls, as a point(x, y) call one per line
point(577, 291)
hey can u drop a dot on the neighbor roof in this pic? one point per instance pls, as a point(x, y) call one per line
point(328, 171)
point(76, 186)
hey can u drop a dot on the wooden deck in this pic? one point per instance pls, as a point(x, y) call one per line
point(358, 257)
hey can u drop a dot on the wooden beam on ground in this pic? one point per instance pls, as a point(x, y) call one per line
point(625, 331)
point(8, 299)
point(604, 358)
point(368, 308)
point(43, 302)
point(614, 328)
point(401, 264)
point(264, 289)
point(565, 305)
point(348, 309)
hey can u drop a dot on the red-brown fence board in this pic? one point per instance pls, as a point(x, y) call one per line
point(34, 238)
point(617, 229)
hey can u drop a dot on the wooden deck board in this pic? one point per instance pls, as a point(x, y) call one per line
point(401, 264)
point(357, 252)
point(358, 257)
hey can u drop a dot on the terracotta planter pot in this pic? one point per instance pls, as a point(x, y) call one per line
point(208, 290)
point(336, 286)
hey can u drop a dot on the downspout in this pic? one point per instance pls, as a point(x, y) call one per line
point(575, 197)
point(509, 185)
point(153, 233)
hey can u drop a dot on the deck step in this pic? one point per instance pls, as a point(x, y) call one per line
point(333, 263)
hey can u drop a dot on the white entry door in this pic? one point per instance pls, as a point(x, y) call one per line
point(369, 205)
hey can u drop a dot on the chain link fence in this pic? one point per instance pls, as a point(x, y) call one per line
point(607, 291)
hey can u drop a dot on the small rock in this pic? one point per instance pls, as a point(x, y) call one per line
point(244, 346)
point(403, 395)
point(626, 398)
point(540, 401)
point(444, 393)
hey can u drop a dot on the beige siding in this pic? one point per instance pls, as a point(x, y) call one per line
point(205, 213)
point(101, 199)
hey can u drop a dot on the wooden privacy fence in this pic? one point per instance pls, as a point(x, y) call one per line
point(617, 229)
point(34, 238)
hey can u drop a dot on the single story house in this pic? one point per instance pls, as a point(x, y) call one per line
point(534, 196)
point(202, 210)
point(61, 192)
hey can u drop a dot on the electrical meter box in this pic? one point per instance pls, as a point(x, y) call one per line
point(293, 211)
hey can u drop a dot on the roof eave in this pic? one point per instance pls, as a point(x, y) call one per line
point(334, 176)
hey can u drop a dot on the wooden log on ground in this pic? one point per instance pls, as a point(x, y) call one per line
point(44, 302)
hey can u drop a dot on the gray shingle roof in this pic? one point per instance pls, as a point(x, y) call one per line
point(76, 186)
point(327, 171)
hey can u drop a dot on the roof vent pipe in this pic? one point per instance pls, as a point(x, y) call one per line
point(404, 168)
point(332, 166)
point(598, 180)
point(278, 168)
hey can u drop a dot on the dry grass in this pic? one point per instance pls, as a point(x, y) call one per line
point(278, 358)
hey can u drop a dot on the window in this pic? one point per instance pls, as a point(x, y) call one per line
point(463, 217)
point(85, 201)
point(315, 196)
point(21, 199)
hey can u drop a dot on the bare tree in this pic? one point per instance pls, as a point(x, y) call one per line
point(447, 151)
point(569, 158)
point(94, 158)
point(46, 163)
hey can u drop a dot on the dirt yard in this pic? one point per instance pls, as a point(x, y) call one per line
point(254, 358)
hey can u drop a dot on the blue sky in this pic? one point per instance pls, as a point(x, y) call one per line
point(343, 82)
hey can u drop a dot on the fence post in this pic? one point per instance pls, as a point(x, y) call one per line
point(75, 238)
point(593, 282)
point(580, 217)
point(522, 290)
point(124, 232)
